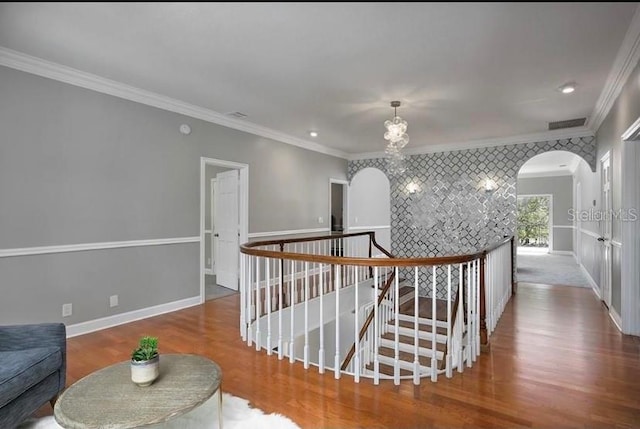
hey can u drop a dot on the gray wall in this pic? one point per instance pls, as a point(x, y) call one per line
point(561, 188)
point(77, 166)
point(622, 115)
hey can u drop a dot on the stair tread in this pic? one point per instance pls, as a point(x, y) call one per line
point(421, 326)
point(405, 356)
point(441, 347)
point(424, 308)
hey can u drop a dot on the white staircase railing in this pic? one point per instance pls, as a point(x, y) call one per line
point(327, 302)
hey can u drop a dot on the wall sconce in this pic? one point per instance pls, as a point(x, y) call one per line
point(412, 187)
point(489, 186)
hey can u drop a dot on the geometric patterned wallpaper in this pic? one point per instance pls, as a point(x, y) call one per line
point(450, 213)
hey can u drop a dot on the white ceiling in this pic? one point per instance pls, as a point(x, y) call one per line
point(463, 71)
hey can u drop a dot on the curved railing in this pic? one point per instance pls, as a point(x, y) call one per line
point(379, 316)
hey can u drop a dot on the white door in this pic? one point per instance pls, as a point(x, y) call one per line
point(214, 238)
point(227, 229)
point(605, 228)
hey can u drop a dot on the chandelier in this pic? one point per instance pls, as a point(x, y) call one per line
point(398, 138)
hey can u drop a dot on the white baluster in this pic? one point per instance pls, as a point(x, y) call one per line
point(280, 291)
point(274, 300)
point(267, 291)
point(396, 362)
point(461, 301)
point(449, 369)
point(321, 351)
point(250, 306)
point(376, 363)
point(258, 346)
point(434, 330)
point(292, 276)
point(337, 356)
point(467, 353)
point(243, 326)
point(416, 338)
point(356, 324)
point(306, 315)
point(477, 318)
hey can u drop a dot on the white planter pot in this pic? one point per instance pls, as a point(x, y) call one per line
point(143, 373)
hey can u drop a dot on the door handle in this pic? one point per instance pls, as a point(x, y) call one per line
point(218, 235)
point(602, 239)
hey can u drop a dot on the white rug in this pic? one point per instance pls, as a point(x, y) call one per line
point(236, 414)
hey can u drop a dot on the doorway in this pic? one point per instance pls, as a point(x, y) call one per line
point(224, 223)
point(338, 205)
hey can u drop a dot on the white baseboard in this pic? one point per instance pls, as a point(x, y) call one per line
point(594, 285)
point(562, 252)
point(130, 316)
point(615, 317)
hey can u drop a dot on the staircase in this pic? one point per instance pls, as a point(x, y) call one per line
point(350, 315)
point(407, 337)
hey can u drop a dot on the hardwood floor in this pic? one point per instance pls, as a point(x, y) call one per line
point(556, 360)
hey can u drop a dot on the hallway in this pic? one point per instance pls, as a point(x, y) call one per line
point(551, 269)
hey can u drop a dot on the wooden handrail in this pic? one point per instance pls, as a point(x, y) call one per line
point(253, 249)
point(365, 325)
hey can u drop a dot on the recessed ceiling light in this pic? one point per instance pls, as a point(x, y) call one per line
point(313, 133)
point(567, 88)
point(563, 165)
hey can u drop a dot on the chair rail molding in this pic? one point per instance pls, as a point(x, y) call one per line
point(43, 250)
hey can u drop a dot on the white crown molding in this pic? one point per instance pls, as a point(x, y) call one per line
point(287, 232)
point(130, 316)
point(65, 248)
point(626, 60)
point(27, 63)
point(576, 132)
point(633, 132)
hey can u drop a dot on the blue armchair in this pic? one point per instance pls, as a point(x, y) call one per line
point(33, 362)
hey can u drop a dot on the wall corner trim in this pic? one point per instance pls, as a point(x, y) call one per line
point(626, 60)
point(130, 316)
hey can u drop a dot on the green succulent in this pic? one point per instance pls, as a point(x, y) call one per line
point(147, 349)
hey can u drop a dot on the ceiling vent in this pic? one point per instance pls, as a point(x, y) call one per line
point(570, 123)
point(237, 115)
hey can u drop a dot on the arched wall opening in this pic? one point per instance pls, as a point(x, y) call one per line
point(370, 204)
point(558, 248)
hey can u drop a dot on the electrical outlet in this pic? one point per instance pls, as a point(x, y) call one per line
point(355, 220)
point(113, 300)
point(67, 310)
point(320, 219)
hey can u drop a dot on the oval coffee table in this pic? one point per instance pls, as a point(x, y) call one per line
point(108, 397)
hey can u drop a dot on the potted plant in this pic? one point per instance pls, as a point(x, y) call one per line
point(145, 362)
